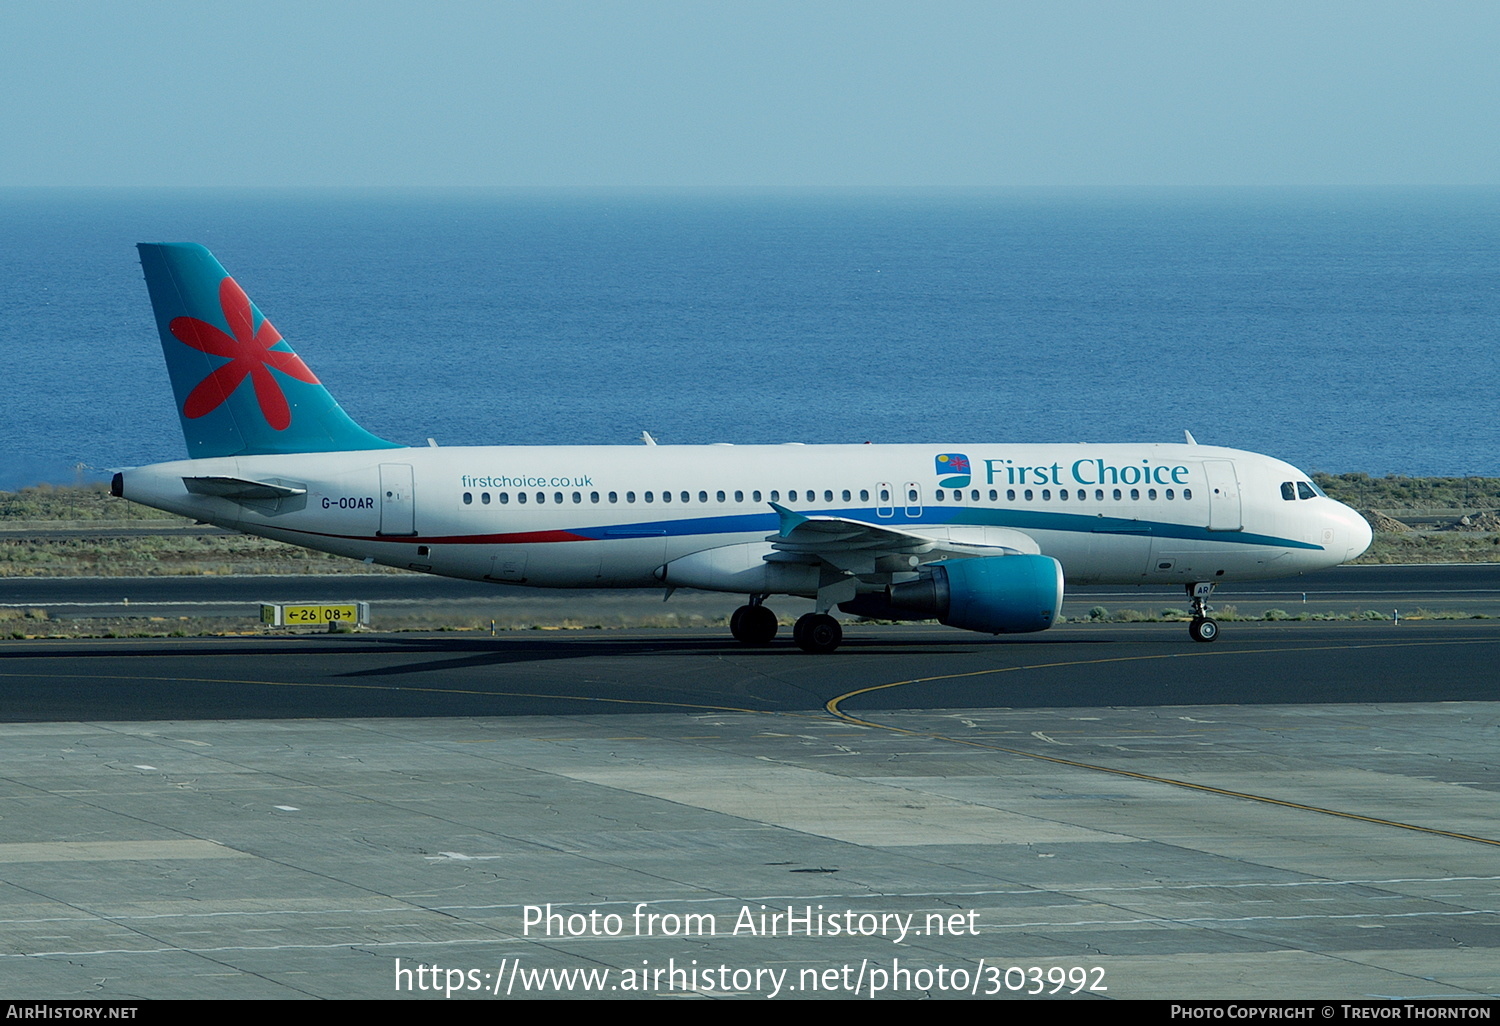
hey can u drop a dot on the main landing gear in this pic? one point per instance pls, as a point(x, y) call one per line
point(1202, 627)
point(754, 624)
point(817, 633)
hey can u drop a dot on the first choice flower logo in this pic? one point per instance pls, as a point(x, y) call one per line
point(250, 354)
point(953, 470)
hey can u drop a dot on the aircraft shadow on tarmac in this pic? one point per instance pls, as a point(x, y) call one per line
point(568, 674)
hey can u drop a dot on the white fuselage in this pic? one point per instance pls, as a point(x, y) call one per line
point(614, 516)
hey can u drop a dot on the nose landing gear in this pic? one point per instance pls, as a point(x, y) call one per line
point(1202, 627)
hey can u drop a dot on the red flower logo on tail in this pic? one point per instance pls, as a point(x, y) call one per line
point(249, 353)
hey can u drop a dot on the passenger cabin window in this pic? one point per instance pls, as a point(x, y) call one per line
point(468, 498)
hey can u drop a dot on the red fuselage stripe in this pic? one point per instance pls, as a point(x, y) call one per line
point(518, 538)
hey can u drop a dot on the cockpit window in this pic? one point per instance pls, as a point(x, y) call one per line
point(1306, 490)
point(1288, 491)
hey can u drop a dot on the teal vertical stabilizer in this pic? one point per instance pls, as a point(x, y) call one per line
point(240, 389)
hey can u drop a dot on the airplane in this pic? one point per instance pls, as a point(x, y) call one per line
point(979, 536)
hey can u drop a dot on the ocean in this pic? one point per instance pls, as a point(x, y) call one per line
point(1341, 330)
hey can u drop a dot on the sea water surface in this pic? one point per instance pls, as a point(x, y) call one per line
point(1349, 330)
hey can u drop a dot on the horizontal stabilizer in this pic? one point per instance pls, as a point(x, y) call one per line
point(238, 489)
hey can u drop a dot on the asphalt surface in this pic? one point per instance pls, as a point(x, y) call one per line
point(603, 672)
point(1298, 811)
point(1442, 587)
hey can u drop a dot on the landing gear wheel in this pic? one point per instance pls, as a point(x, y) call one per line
point(817, 633)
point(1203, 627)
point(753, 625)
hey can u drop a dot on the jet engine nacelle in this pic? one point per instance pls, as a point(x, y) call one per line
point(993, 594)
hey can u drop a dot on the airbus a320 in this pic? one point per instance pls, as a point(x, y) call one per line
point(981, 536)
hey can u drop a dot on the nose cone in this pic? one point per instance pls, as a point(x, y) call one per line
point(1357, 531)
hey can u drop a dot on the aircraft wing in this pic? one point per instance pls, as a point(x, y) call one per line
point(855, 547)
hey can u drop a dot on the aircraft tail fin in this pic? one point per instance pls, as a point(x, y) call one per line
point(240, 389)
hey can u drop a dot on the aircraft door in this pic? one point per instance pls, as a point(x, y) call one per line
point(397, 505)
point(1223, 496)
point(883, 502)
point(913, 498)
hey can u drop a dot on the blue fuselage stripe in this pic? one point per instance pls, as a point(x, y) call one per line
point(1021, 520)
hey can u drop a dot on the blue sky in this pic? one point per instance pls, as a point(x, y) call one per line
point(749, 95)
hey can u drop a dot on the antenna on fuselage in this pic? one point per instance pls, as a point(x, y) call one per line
point(646, 437)
point(1189, 436)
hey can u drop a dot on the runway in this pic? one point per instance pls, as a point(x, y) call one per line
point(1299, 810)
